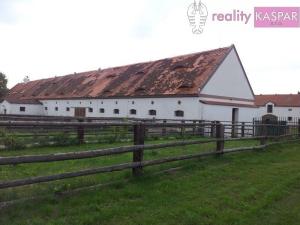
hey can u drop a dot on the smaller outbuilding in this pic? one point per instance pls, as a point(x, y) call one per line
point(21, 107)
point(284, 106)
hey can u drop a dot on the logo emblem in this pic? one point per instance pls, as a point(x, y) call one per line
point(197, 15)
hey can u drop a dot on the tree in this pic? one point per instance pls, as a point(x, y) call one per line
point(26, 79)
point(3, 85)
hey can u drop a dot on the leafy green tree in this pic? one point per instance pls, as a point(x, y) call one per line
point(3, 85)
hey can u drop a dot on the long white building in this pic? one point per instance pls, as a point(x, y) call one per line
point(209, 85)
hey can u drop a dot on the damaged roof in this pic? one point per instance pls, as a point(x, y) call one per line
point(182, 75)
point(284, 100)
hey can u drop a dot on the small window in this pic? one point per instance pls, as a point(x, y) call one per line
point(91, 110)
point(22, 109)
point(56, 108)
point(132, 102)
point(152, 102)
point(179, 113)
point(68, 109)
point(80, 103)
point(270, 108)
point(290, 110)
point(102, 102)
point(101, 110)
point(46, 108)
point(56, 103)
point(179, 102)
point(116, 102)
point(90, 103)
point(132, 111)
point(152, 112)
point(290, 118)
point(116, 111)
point(68, 103)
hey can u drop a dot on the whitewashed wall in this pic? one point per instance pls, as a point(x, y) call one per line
point(279, 111)
point(4, 106)
point(229, 80)
point(165, 107)
point(30, 109)
point(224, 113)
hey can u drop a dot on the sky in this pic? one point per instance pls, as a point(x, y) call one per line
point(47, 38)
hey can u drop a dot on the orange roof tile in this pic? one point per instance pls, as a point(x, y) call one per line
point(284, 100)
point(181, 75)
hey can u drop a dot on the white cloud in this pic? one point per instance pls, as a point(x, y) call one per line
point(57, 37)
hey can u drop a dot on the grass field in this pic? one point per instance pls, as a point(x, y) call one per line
point(260, 187)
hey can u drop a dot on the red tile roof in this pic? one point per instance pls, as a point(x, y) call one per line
point(181, 75)
point(285, 100)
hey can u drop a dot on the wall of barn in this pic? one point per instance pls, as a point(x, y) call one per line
point(165, 107)
point(229, 80)
point(224, 113)
point(30, 109)
point(284, 112)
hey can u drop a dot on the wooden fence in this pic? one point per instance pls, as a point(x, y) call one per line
point(138, 149)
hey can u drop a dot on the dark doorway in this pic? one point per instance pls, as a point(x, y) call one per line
point(80, 112)
point(235, 119)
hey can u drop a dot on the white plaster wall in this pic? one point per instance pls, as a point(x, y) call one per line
point(5, 105)
point(164, 107)
point(30, 109)
point(229, 80)
point(280, 111)
point(224, 113)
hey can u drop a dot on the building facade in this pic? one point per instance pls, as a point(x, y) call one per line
point(209, 85)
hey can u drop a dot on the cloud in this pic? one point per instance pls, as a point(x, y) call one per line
point(57, 37)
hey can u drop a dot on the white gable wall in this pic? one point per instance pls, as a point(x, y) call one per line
point(229, 80)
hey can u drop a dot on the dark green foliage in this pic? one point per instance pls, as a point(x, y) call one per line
point(3, 85)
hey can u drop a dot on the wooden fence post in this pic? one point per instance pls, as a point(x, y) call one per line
point(243, 129)
point(139, 139)
point(201, 128)
point(298, 127)
point(263, 139)
point(213, 129)
point(80, 133)
point(164, 130)
point(194, 128)
point(220, 137)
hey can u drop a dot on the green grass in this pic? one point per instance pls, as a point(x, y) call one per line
point(260, 187)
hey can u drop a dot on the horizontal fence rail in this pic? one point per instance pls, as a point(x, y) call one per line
point(214, 131)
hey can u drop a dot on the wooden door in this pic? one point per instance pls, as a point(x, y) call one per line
point(80, 112)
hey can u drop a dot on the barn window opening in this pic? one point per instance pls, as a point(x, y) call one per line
point(179, 113)
point(116, 102)
point(132, 111)
point(132, 102)
point(56, 108)
point(102, 110)
point(290, 110)
point(22, 109)
point(116, 111)
point(46, 108)
point(179, 67)
point(68, 109)
point(102, 102)
point(152, 102)
point(290, 118)
point(179, 102)
point(152, 112)
point(91, 110)
point(90, 103)
point(270, 108)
